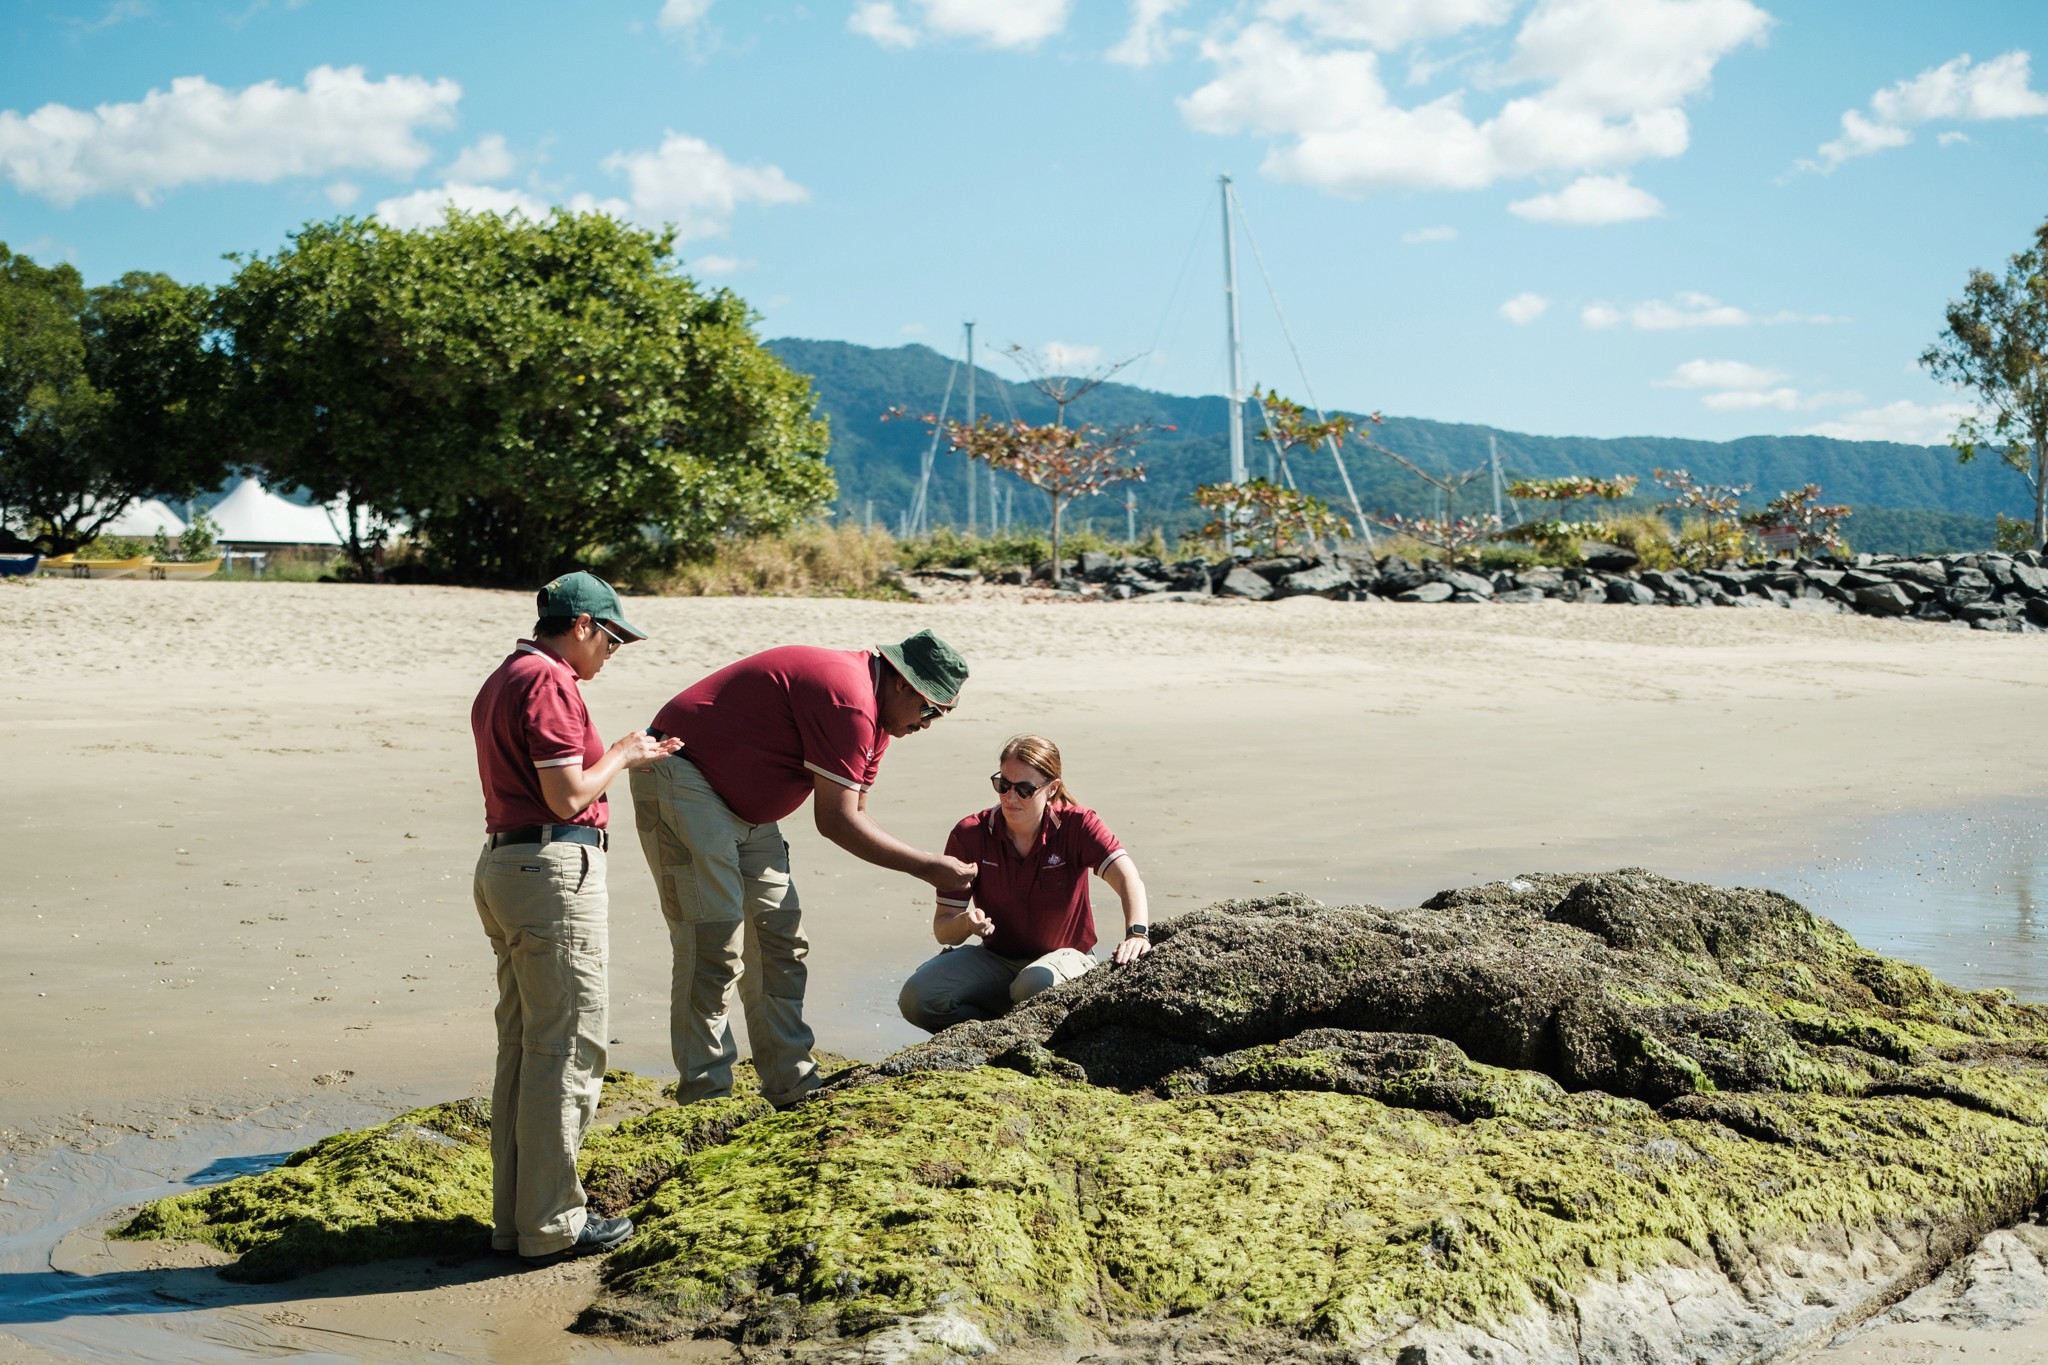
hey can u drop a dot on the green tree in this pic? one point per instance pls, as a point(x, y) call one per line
point(1997, 346)
point(106, 396)
point(524, 394)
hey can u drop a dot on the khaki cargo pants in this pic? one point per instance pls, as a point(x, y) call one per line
point(733, 919)
point(543, 908)
point(970, 982)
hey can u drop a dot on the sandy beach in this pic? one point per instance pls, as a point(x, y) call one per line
point(244, 817)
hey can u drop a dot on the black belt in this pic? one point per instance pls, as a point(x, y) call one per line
point(560, 834)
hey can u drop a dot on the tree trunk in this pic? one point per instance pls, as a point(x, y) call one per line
point(2041, 495)
point(1056, 500)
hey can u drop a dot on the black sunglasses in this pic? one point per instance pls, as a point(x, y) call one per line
point(929, 713)
point(1025, 790)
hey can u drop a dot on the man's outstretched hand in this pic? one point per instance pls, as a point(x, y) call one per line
point(950, 875)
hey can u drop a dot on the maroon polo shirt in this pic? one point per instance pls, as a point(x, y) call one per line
point(1039, 899)
point(762, 729)
point(528, 716)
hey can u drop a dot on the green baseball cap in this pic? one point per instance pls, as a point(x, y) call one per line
point(573, 594)
point(930, 665)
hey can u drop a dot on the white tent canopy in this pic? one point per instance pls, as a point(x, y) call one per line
point(145, 518)
point(251, 515)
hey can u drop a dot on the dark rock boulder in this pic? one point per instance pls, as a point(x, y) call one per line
point(1397, 576)
point(1242, 582)
point(1598, 554)
point(1629, 593)
point(1886, 599)
point(1427, 592)
point(1273, 570)
point(1462, 582)
point(1320, 580)
point(1929, 573)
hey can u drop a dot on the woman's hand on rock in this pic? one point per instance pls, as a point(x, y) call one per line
point(1130, 950)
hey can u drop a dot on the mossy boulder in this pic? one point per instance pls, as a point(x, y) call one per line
point(1561, 1117)
point(1624, 982)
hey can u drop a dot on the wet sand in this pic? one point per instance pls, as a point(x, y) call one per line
point(244, 815)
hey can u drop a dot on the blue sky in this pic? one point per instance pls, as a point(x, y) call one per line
point(1704, 218)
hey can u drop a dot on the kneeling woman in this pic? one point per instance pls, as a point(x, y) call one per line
point(1029, 906)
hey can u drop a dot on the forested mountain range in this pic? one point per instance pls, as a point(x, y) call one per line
point(1908, 498)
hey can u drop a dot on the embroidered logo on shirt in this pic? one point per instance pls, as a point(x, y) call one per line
point(988, 862)
point(1052, 860)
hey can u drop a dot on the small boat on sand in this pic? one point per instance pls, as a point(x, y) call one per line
point(184, 569)
point(18, 566)
point(101, 568)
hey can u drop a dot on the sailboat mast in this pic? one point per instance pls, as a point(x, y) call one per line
point(971, 519)
point(1236, 396)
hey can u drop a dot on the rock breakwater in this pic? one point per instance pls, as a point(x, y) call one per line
point(1592, 1117)
point(1988, 591)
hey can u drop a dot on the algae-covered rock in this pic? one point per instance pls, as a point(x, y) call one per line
point(1624, 982)
point(419, 1185)
point(1559, 1118)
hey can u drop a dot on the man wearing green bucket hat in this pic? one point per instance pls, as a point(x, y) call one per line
point(540, 892)
point(759, 736)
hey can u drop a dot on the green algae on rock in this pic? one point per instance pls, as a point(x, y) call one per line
point(419, 1185)
point(1561, 1117)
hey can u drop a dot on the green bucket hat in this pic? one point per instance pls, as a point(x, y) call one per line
point(930, 665)
point(576, 593)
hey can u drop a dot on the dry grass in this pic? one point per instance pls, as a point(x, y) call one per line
point(811, 561)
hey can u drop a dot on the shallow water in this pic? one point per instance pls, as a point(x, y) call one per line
point(1963, 891)
point(50, 1194)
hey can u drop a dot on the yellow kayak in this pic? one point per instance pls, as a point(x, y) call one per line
point(104, 568)
point(198, 568)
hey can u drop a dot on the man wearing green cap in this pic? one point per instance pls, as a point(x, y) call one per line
point(541, 895)
point(759, 736)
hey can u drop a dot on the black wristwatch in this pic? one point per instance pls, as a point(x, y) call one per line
point(1143, 931)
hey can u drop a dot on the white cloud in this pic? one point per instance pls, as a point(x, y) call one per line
point(689, 182)
point(1524, 309)
point(1148, 39)
point(719, 265)
point(341, 193)
point(685, 181)
point(992, 23)
point(425, 208)
point(912, 329)
point(1955, 91)
point(1950, 139)
point(1907, 422)
point(1686, 309)
point(487, 158)
point(1738, 386)
point(1612, 76)
point(682, 15)
point(1721, 374)
point(1065, 357)
point(1750, 400)
point(1388, 24)
point(1430, 234)
point(879, 20)
point(1590, 201)
point(197, 133)
point(1600, 316)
